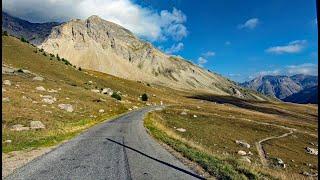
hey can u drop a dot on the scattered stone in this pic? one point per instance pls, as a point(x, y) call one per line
point(8, 141)
point(243, 143)
point(242, 153)
point(67, 98)
point(292, 160)
point(198, 107)
point(250, 153)
point(134, 107)
point(130, 109)
point(148, 104)
point(19, 127)
point(161, 103)
point(67, 107)
point(183, 113)
point(107, 91)
point(40, 88)
point(312, 151)
point(49, 99)
point(38, 78)
point(245, 159)
point(7, 82)
point(195, 116)
point(95, 90)
point(101, 110)
point(48, 112)
point(309, 174)
point(90, 82)
point(280, 163)
point(6, 99)
point(34, 102)
point(37, 125)
point(52, 91)
point(181, 130)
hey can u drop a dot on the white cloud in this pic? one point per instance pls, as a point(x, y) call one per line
point(144, 22)
point(208, 54)
point(174, 48)
point(227, 43)
point(306, 68)
point(250, 24)
point(202, 61)
point(234, 75)
point(292, 47)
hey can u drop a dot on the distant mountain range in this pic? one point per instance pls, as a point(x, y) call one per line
point(100, 45)
point(298, 88)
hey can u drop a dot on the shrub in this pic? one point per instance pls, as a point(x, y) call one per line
point(5, 33)
point(41, 50)
point(35, 51)
point(116, 96)
point(148, 84)
point(23, 40)
point(44, 54)
point(144, 97)
point(51, 55)
point(79, 69)
point(58, 58)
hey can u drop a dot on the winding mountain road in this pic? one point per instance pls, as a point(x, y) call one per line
point(117, 149)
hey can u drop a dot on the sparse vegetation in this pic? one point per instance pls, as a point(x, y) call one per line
point(79, 69)
point(4, 33)
point(116, 96)
point(144, 97)
point(22, 39)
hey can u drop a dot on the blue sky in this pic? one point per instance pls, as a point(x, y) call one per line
point(239, 39)
point(241, 52)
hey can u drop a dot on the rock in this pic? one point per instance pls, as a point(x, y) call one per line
point(37, 125)
point(7, 82)
point(67, 107)
point(195, 116)
point(148, 104)
point(243, 143)
point(26, 71)
point(101, 99)
point(250, 153)
point(48, 112)
point(183, 113)
point(52, 91)
point(130, 109)
point(312, 151)
point(3, 90)
point(161, 103)
point(90, 82)
point(245, 159)
point(6, 99)
point(134, 107)
point(181, 129)
point(101, 110)
point(48, 99)
point(34, 102)
point(107, 91)
point(305, 173)
point(242, 153)
point(280, 163)
point(40, 88)
point(8, 141)
point(38, 78)
point(19, 127)
point(95, 90)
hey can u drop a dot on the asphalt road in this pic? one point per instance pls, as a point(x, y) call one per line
point(118, 149)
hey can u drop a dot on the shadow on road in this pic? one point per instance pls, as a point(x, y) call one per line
point(162, 162)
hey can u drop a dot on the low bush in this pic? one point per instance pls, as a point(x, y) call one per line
point(116, 96)
point(144, 97)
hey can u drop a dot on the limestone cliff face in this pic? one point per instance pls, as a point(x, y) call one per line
point(107, 47)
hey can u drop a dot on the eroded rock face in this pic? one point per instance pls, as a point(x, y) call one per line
point(98, 44)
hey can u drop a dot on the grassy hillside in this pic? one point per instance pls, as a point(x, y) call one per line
point(72, 86)
point(212, 124)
